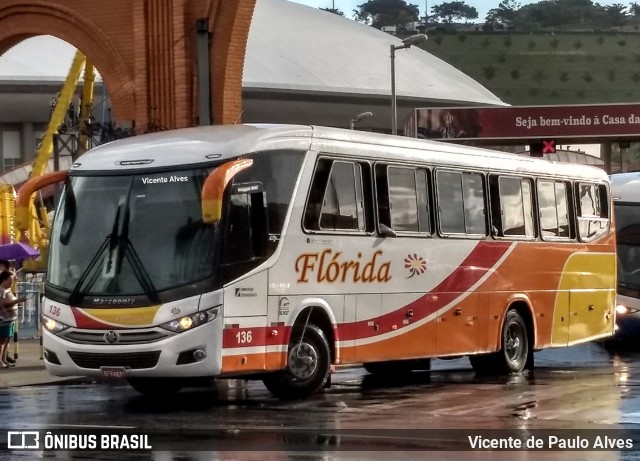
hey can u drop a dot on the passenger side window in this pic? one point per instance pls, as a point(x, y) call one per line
point(336, 198)
point(402, 198)
point(554, 210)
point(512, 213)
point(593, 213)
point(461, 203)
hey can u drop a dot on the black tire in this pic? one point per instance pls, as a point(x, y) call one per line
point(156, 387)
point(514, 354)
point(397, 367)
point(308, 365)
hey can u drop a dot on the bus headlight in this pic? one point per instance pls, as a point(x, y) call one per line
point(623, 310)
point(53, 325)
point(189, 322)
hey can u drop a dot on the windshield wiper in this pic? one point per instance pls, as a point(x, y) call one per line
point(110, 242)
point(142, 275)
point(75, 294)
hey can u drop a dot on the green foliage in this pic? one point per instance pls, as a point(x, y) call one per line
point(531, 63)
point(379, 13)
point(508, 42)
point(450, 11)
point(333, 10)
point(578, 44)
point(489, 72)
point(439, 39)
point(462, 38)
point(539, 76)
point(554, 43)
point(621, 42)
point(600, 40)
point(505, 13)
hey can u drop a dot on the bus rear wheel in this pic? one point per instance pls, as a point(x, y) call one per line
point(156, 387)
point(514, 349)
point(308, 365)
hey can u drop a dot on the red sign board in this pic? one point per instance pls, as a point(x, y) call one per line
point(527, 122)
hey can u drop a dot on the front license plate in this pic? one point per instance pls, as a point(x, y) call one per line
point(114, 373)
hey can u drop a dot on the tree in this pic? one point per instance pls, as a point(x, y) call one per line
point(506, 13)
point(333, 10)
point(379, 13)
point(616, 13)
point(448, 11)
point(634, 10)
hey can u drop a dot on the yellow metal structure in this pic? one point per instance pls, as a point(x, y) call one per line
point(7, 213)
point(31, 222)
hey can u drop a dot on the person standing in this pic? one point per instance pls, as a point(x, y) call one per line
point(9, 314)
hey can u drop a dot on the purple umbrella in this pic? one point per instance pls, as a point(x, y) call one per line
point(18, 251)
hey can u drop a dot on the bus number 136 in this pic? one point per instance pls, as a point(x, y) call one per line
point(244, 337)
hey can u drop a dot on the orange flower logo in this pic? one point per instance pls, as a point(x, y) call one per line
point(416, 264)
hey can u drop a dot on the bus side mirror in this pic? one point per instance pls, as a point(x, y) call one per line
point(215, 185)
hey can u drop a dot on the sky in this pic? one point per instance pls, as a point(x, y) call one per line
point(483, 6)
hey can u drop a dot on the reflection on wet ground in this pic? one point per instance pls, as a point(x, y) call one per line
point(585, 387)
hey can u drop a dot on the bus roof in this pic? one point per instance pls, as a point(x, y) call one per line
point(625, 187)
point(192, 146)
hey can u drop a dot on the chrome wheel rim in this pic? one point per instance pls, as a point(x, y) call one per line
point(303, 360)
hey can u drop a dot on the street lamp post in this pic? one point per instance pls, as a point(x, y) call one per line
point(406, 43)
point(357, 118)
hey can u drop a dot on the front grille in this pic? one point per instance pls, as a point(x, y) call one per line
point(134, 360)
point(124, 336)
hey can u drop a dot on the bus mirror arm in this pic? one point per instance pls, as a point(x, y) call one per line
point(386, 231)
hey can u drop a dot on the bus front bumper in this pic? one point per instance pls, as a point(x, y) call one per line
point(195, 353)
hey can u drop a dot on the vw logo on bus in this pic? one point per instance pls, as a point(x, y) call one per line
point(111, 337)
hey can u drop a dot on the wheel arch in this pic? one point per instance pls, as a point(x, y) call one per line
point(318, 312)
point(522, 305)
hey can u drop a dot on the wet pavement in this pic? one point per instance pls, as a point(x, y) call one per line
point(584, 390)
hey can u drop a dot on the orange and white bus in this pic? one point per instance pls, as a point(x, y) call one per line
point(275, 252)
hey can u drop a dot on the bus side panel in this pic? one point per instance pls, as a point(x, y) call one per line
point(590, 278)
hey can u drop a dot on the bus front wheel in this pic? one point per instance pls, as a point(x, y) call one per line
point(155, 387)
point(308, 365)
point(514, 349)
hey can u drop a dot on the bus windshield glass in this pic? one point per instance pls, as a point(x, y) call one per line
point(131, 235)
point(628, 238)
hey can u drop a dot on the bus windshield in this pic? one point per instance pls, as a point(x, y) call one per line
point(131, 235)
point(628, 238)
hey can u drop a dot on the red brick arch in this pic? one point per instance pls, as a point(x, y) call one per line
point(145, 51)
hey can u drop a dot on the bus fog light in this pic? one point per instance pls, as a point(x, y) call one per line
point(199, 355)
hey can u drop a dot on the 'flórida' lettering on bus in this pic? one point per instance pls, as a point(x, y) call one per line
point(329, 267)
